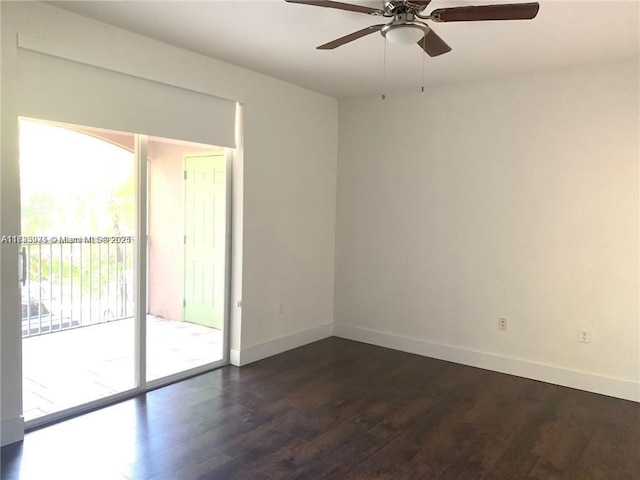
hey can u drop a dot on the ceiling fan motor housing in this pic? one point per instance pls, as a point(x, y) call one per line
point(394, 7)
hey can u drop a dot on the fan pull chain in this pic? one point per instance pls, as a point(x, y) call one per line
point(423, 53)
point(384, 70)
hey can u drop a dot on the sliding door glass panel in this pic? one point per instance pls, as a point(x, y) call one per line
point(187, 213)
point(78, 217)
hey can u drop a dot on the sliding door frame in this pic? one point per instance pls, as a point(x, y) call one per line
point(141, 261)
point(141, 297)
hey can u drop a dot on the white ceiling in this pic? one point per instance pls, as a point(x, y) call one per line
point(279, 39)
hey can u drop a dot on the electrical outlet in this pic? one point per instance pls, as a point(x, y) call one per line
point(502, 324)
point(585, 336)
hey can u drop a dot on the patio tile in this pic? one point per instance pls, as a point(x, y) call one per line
point(65, 369)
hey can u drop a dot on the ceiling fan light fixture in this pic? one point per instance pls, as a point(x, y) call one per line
point(404, 34)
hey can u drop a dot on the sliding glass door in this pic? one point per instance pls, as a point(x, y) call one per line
point(96, 206)
point(77, 205)
point(187, 229)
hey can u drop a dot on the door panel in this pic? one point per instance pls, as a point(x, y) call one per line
point(205, 210)
point(77, 190)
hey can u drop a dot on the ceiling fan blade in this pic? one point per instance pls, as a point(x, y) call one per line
point(351, 37)
point(422, 3)
point(340, 6)
point(433, 44)
point(512, 11)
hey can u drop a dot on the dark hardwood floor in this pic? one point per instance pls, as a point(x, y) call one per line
point(344, 410)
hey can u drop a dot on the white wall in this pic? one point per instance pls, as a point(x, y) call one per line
point(289, 185)
point(513, 198)
point(10, 349)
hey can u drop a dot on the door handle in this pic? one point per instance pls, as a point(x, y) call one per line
point(22, 265)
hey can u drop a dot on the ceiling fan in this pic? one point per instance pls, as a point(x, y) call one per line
point(408, 27)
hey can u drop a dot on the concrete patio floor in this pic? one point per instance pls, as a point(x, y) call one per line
point(65, 369)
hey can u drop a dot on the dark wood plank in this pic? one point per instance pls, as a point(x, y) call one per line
point(342, 410)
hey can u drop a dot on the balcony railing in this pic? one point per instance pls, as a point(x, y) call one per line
point(71, 285)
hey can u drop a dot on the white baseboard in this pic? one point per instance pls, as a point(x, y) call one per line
point(11, 431)
point(613, 387)
point(273, 347)
point(234, 357)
